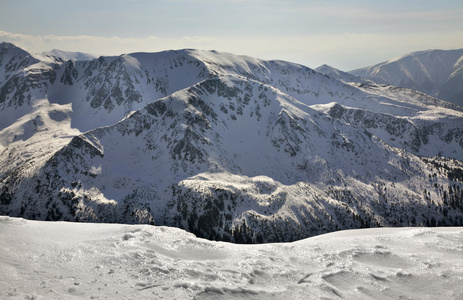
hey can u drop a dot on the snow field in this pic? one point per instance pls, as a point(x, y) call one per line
point(58, 260)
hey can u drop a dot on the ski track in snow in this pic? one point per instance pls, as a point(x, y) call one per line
point(59, 260)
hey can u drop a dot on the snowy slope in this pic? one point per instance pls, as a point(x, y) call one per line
point(341, 75)
point(227, 147)
point(58, 260)
point(69, 55)
point(438, 73)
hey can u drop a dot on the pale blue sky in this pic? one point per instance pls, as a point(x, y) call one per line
point(345, 34)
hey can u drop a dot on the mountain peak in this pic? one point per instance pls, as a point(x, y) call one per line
point(340, 75)
point(69, 55)
point(12, 49)
point(435, 72)
point(8, 45)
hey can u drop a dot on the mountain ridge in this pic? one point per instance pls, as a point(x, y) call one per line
point(227, 147)
point(69, 55)
point(438, 73)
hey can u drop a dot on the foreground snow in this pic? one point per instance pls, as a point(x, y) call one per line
point(57, 260)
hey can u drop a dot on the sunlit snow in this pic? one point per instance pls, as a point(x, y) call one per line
point(58, 260)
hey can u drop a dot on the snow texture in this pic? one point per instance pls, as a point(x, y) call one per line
point(59, 260)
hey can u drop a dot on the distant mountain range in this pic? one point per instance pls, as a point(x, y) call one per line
point(438, 73)
point(228, 147)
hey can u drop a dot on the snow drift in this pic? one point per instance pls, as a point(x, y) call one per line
point(56, 260)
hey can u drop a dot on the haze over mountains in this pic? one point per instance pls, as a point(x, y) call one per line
point(228, 147)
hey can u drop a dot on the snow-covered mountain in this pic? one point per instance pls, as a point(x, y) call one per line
point(228, 147)
point(438, 73)
point(69, 55)
point(63, 260)
point(341, 75)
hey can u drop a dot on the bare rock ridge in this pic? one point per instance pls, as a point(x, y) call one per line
point(228, 147)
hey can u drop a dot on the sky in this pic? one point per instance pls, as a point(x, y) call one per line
point(346, 34)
